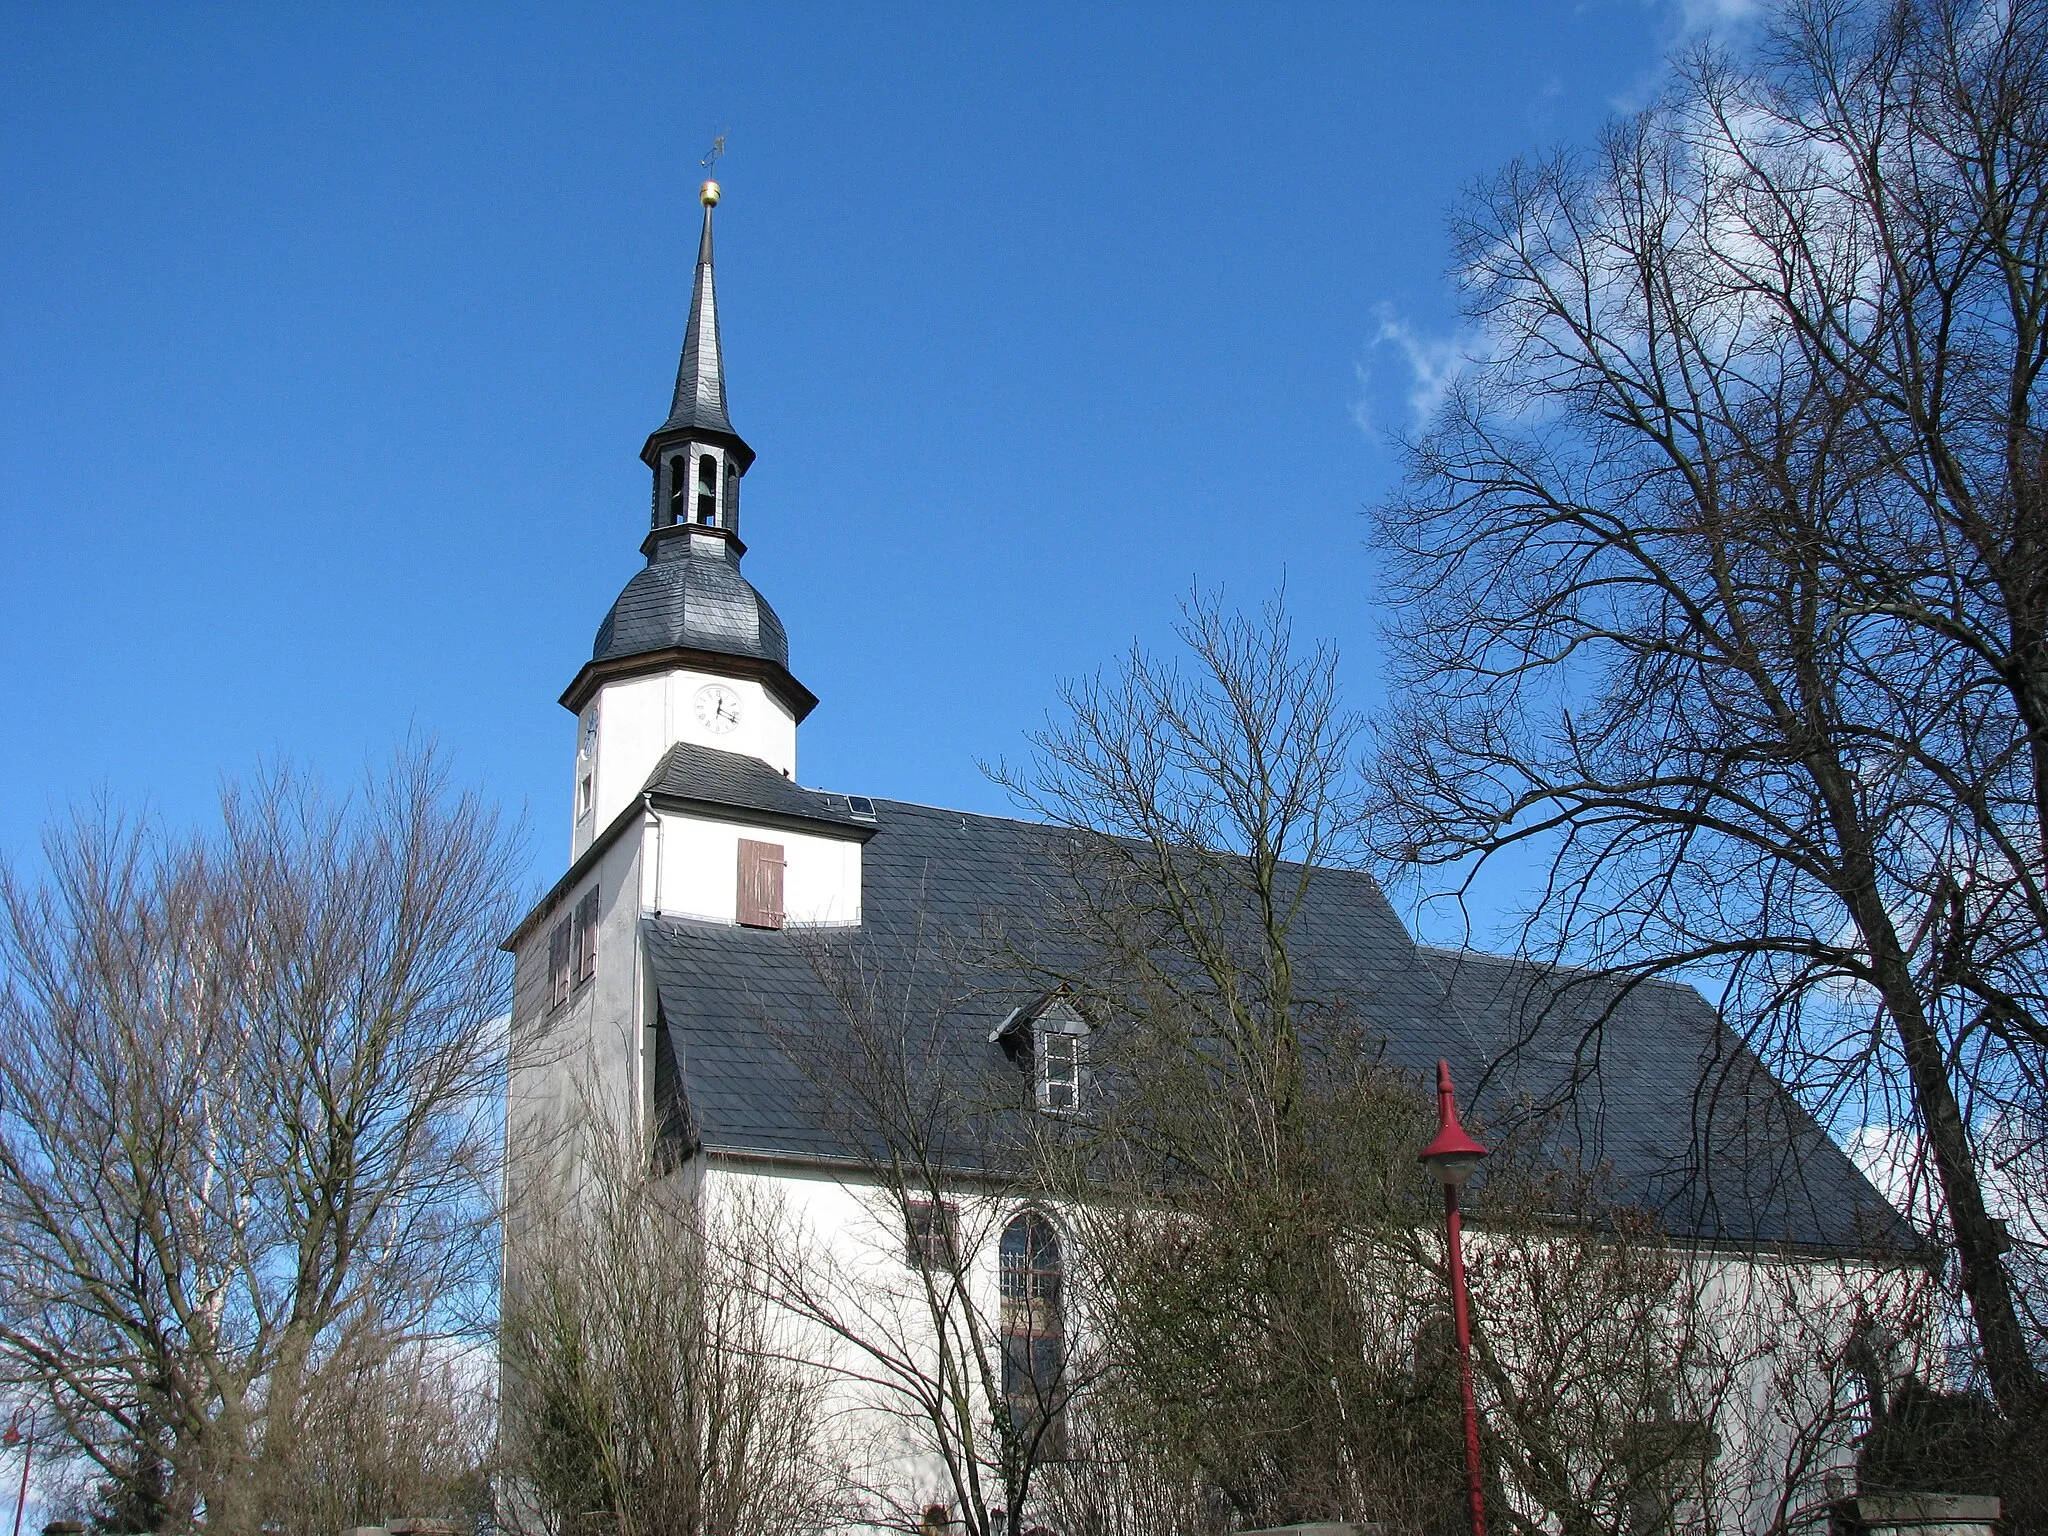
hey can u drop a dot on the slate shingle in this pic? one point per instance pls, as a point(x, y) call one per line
point(732, 780)
point(1662, 1095)
point(691, 595)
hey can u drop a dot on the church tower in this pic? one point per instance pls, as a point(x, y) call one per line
point(689, 652)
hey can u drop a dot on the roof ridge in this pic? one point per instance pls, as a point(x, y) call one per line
point(1550, 967)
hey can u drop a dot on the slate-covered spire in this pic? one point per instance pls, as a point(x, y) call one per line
point(699, 406)
point(700, 380)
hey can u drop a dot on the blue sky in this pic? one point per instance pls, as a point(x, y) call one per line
point(331, 335)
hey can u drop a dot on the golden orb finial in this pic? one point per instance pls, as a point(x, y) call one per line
point(708, 194)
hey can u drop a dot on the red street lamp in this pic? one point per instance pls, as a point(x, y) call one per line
point(11, 1439)
point(1451, 1157)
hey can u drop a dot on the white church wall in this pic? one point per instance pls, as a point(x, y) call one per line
point(1775, 1321)
point(592, 1046)
point(632, 733)
point(848, 1237)
point(1783, 1324)
point(693, 870)
point(640, 718)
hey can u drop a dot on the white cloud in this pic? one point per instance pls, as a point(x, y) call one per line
point(1702, 18)
point(1433, 364)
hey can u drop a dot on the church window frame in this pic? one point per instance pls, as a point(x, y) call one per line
point(1032, 1314)
point(931, 1236)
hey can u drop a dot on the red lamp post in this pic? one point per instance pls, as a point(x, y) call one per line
point(12, 1438)
point(1451, 1157)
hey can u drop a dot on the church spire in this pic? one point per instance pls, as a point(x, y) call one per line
point(696, 456)
point(700, 379)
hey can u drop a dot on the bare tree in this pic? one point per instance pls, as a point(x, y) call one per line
point(1263, 1274)
point(649, 1391)
point(247, 1086)
point(1721, 578)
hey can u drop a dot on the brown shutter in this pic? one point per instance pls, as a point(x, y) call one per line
point(586, 937)
point(760, 903)
point(558, 965)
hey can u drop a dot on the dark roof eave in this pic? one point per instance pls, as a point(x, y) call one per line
point(637, 806)
point(672, 432)
point(759, 816)
point(771, 675)
point(770, 1159)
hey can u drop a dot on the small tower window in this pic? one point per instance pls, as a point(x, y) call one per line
point(586, 765)
point(678, 489)
point(707, 490)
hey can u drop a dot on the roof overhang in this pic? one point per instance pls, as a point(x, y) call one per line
point(629, 815)
point(663, 438)
point(752, 816)
point(772, 675)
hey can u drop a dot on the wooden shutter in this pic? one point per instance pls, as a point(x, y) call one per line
point(760, 903)
point(586, 937)
point(558, 965)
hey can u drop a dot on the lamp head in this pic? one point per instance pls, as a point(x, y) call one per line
point(1452, 1155)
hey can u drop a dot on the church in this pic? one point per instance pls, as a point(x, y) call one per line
point(702, 870)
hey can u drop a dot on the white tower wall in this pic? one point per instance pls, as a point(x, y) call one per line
point(640, 718)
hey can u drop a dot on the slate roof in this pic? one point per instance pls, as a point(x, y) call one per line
point(1687, 1122)
point(691, 595)
point(694, 775)
point(699, 403)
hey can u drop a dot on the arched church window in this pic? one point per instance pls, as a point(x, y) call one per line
point(707, 490)
point(1032, 1281)
point(678, 489)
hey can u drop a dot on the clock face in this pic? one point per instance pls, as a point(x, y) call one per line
point(718, 708)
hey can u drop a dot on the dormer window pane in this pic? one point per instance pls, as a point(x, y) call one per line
point(1059, 1070)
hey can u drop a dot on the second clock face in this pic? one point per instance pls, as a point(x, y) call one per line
point(718, 708)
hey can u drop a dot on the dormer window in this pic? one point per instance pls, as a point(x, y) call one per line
point(1052, 1037)
point(1060, 1052)
point(707, 490)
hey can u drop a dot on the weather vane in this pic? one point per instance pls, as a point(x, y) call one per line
point(708, 193)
